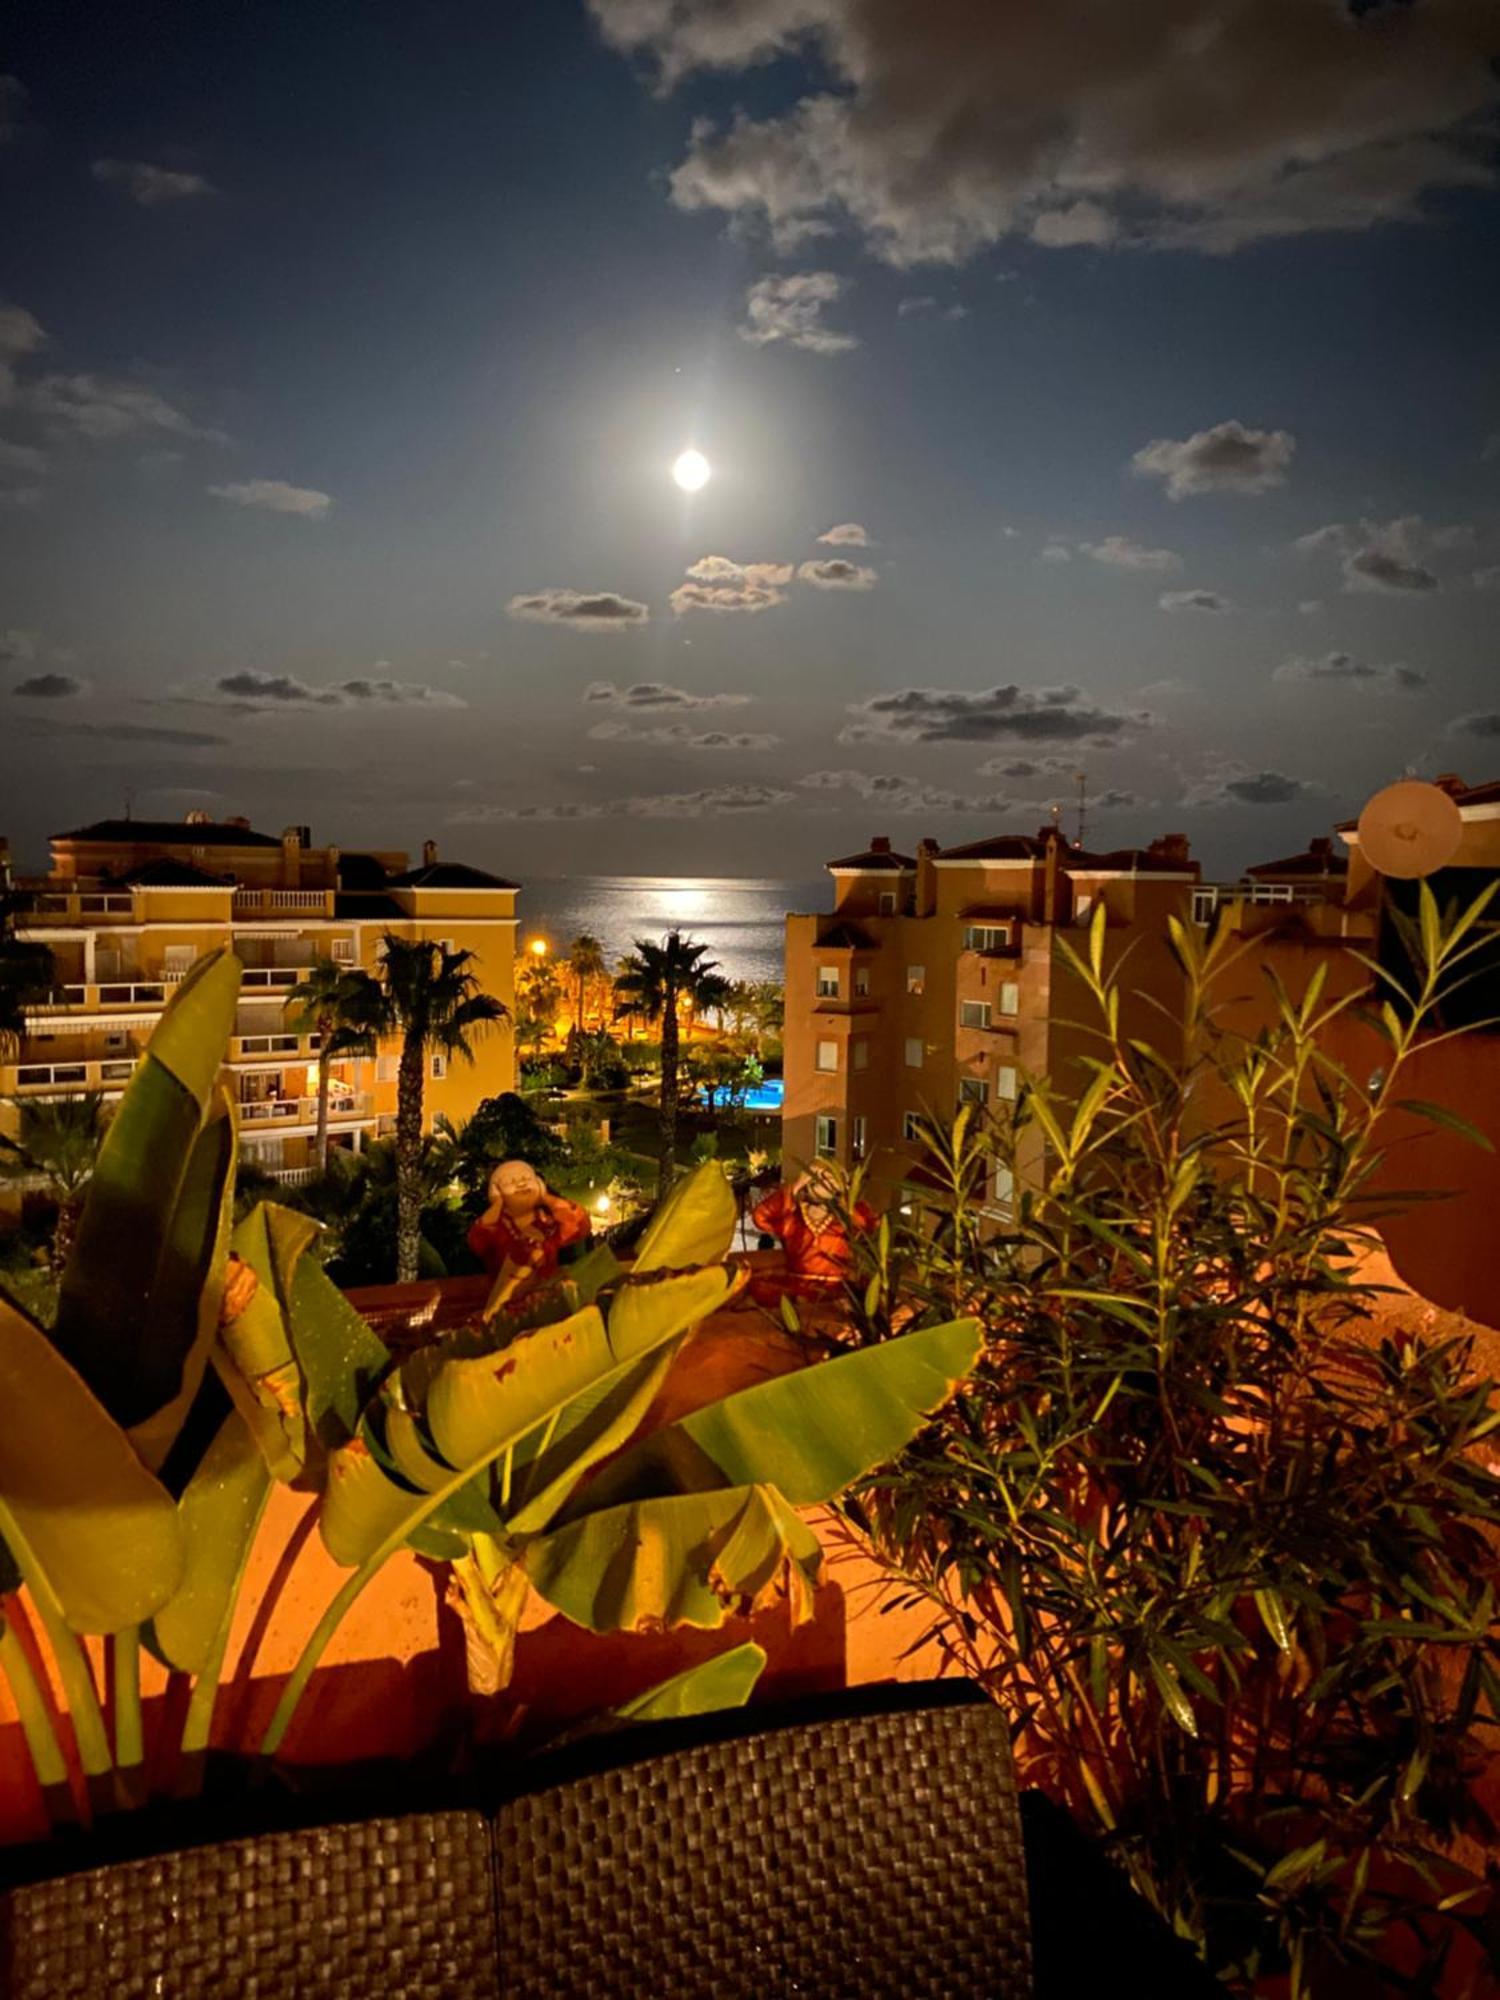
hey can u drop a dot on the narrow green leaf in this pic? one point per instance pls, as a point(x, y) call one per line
point(726, 1681)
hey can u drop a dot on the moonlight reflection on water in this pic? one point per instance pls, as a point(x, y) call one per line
point(739, 919)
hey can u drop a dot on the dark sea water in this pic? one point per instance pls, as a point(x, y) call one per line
point(739, 919)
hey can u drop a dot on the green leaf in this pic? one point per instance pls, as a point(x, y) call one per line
point(255, 1357)
point(1178, 1705)
point(132, 1355)
point(87, 1524)
point(687, 1559)
point(1439, 1114)
point(220, 1510)
point(646, 1311)
point(809, 1434)
point(339, 1353)
point(726, 1681)
point(694, 1225)
point(1273, 1616)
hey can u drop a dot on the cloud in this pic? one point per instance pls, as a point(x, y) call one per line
point(1232, 784)
point(1025, 767)
point(1192, 600)
point(724, 597)
point(582, 610)
point(712, 802)
point(1120, 552)
point(722, 569)
point(898, 792)
point(1229, 458)
point(790, 308)
point(942, 715)
point(1207, 129)
point(21, 333)
point(20, 459)
point(274, 496)
point(1345, 667)
point(104, 408)
point(1388, 555)
point(1487, 579)
point(1485, 724)
point(927, 307)
point(847, 535)
point(50, 687)
point(1055, 552)
point(251, 693)
point(126, 732)
point(149, 186)
point(17, 647)
point(837, 573)
point(657, 695)
point(679, 736)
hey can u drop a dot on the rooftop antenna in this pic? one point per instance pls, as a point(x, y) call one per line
point(1056, 814)
point(1080, 778)
point(129, 800)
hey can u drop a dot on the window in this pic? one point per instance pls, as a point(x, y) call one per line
point(115, 1040)
point(861, 982)
point(439, 1068)
point(973, 1013)
point(385, 1069)
point(916, 979)
point(986, 937)
point(914, 1051)
point(343, 951)
point(1005, 1184)
point(972, 1090)
point(1081, 909)
point(828, 982)
point(826, 1138)
point(911, 1126)
point(857, 1138)
point(861, 1053)
point(828, 1055)
point(1005, 1082)
point(887, 904)
point(1010, 997)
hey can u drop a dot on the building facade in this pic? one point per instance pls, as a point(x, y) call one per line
point(129, 905)
point(934, 981)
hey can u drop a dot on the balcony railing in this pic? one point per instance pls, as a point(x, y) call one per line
point(1215, 895)
point(244, 1047)
point(250, 902)
point(77, 906)
point(113, 1074)
point(110, 994)
point(304, 1110)
point(273, 978)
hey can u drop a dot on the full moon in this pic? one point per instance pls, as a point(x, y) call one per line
point(691, 470)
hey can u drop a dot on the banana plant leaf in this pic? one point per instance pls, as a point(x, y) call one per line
point(92, 1532)
point(686, 1559)
point(809, 1434)
point(121, 1318)
point(694, 1225)
point(220, 1510)
point(726, 1681)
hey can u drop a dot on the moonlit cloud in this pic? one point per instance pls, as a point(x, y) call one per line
point(1192, 600)
point(724, 597)
point(1230, 458)
point(104, 409)
point(580, 610)
point(50, 687)
point(926, 307)
point(846, 535)
point(1027, 120)
point(1487, 579)
point(945, 715)
point(721, 569)
point(1345, 667)
point(791, 308)
point(712, 802)
point(680, 736)
point(1485, 724)
point(837, 573)
point(657, 695)
point(1389, 556)
point(250, 692)
point(17, 648)
point(899, 792)
point(274, 496)
point(1121, 552)
point(1234, 785)
point(149, 186)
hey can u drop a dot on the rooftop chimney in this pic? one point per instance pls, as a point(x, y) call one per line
point(1451, 783)
point(429, 853)
point(1170, 847)
point(881, 844)
point(1321, 845)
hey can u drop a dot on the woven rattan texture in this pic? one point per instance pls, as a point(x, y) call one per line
point(399, 1908)
point(866, 1858)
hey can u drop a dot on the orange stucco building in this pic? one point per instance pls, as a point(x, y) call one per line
point(128, 905)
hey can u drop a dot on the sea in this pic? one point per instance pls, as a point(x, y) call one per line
point(741, 919)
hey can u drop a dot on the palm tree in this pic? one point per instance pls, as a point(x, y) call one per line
point(430, 997)
point(59, 1141)
point(651, 985)
point(586, 962)
point(341, 1006)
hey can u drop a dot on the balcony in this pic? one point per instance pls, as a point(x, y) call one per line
point(106, 997)
point(291, 1111)
point(74, 908)
point(271, 978)
point(278, 902)
point(69, 1079)
point(254, 1048)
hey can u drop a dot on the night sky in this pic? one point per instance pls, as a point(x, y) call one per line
point(1086, 387)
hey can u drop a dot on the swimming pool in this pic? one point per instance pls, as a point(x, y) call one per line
point(766, 1096)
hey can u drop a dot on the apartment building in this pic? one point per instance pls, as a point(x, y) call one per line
point(127, 907)
point(934, 982)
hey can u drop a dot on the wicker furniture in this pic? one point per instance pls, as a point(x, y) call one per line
point(864, 1845)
